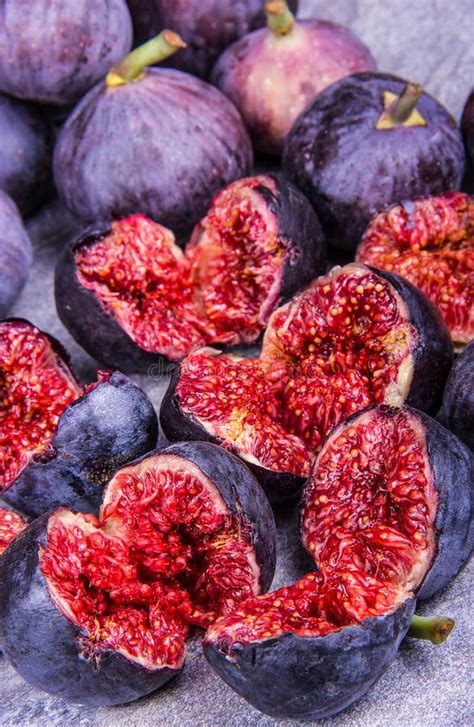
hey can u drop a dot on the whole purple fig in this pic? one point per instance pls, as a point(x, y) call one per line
point(15, 253)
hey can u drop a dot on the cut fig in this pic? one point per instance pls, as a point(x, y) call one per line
point(430, 242)
point(457, 409)
point(368, 141)
point(386, 515)
point(182, 538)
point(132, 298)
point(61, 443)
point(355, 337)
point(11, 525)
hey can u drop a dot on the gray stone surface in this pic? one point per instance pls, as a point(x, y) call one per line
point(429, 41)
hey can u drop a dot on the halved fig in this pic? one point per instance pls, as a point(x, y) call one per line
point(355, 337)
point(457, 409)
point(182, 538)
point(11, 525)
point(131, 297)
point(59, 442)
point(386, 515)
point(430, 242)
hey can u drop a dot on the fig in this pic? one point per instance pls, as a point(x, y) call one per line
point(368, 141)
point(25, 154)
point(132, 299)
point(183, 536)
point(386, 515)
point(207, 26)
point(11, 525)
point(16, 253)
point(60, 443)
point(457, 409)
point(467, 127)
point(353, 338)
point(53, 51)
point(185, 141)
point(272, 74)
point(430, 242)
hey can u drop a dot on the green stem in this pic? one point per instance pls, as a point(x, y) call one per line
point(153, 51)
point(280, 19)
point(432, 628)
point(400, 109)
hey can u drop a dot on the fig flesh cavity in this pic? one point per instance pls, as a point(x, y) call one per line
point(207, 26)
point(430, 242)
point(183, 536)
point(53, 51)
point(11, 525)
point(368, 141)
point(16, 254)
point(25, 154)
point(60, 443)
point(457, 409)
point(272, 74)
point(386, 514)
point(132, 299)
point(185, 141)
point(355, 337)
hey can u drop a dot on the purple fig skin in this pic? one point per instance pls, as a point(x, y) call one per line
point(271, 79)
point(317, 676)
point(53, 51)
point(467, 127)
point(16, 254)
point(207, 26)
point(105, 429)
point(25, 154)
point(103, 337)
point(457, 409)
point(185, 141)
point(45, 649)
point(350, 170)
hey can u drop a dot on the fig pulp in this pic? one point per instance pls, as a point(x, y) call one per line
point(272, 74)
point(386, 515)
point(183, 537)
point(355, 337)
point(131, 297)
point(11, 525)
point(467, 127)
point(185, 141)
point(367, 141)
point(60, 443)
point(16, 254)
point(25, 154)
point(53, 51)
point(430, 242)
point(207, 26)
point(457, 409)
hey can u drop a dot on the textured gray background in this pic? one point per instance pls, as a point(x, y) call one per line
point(429, 41)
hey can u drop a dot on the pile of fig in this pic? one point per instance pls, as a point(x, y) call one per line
point(344, 390)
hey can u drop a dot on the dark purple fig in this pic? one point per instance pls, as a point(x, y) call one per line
point(182, 538)
point(53, 51)
point(60, 443)
point(467, 127)
point(457, 409)
point(207, 26)
point(16, 254)
point(184, 141)
point(132, 299)
point(356, 337)
point(272, 74)
point(368, 141)
point(387, 517)
point(25, 153)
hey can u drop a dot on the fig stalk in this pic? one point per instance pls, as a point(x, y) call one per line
point(401, 110)
point(431, 628)
point(154, 51)
point(280, 19)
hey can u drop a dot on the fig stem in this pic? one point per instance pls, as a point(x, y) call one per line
point(157, 49)
point(401, 108)
point(280, 19)
point(431, 628)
